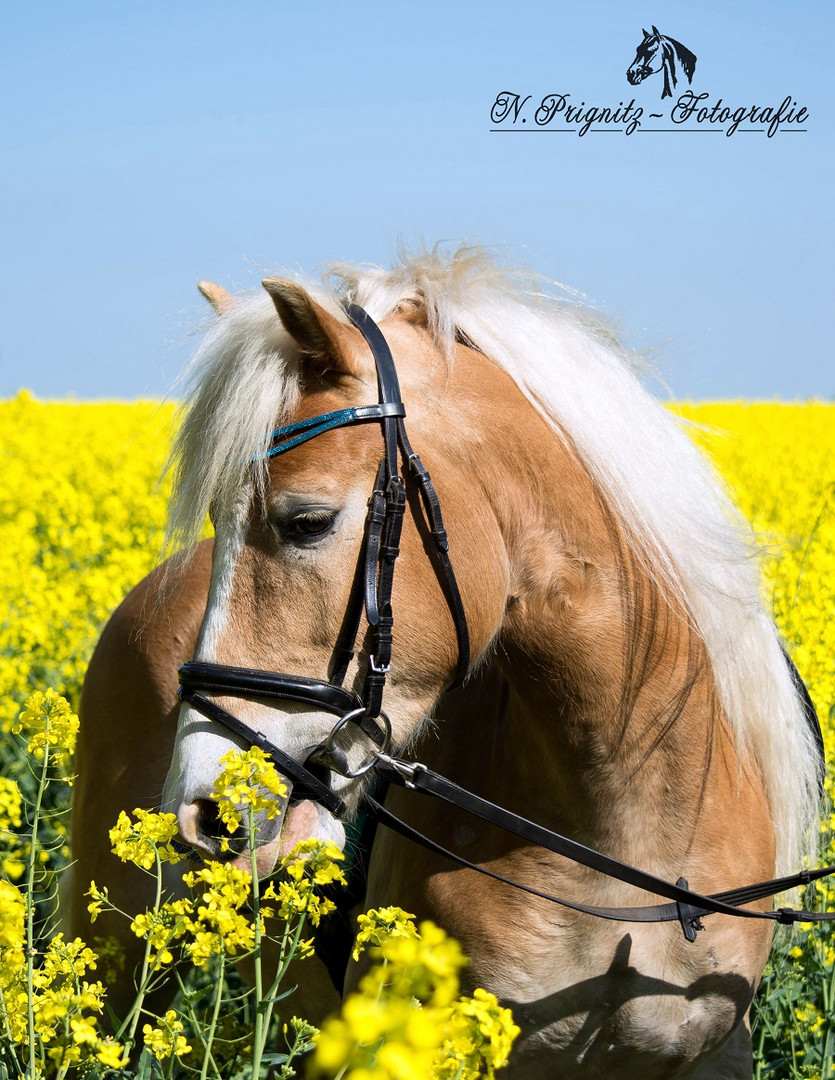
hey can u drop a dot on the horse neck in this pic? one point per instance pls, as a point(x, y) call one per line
point(606, 682)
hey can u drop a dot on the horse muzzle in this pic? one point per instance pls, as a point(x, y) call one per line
point(206, 836)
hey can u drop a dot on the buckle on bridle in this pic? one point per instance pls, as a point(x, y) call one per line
point(407, 770)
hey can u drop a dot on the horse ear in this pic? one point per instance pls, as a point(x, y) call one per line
point(656, 31)
point(217, 296)
point(413, 312)
point(646, 35)
point(321, 338)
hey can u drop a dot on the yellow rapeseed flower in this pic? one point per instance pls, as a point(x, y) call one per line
point(84, 1031)
point(47, 721)
point(380, 923)
point(248, 783)
point(140, 842)
point(406, 1022)
point(317, 860)
point(809, 1017)
point(166, 1039)
point(12, 913)
point(215, 922)
point(311, 864)
point(111, 1054)
point(10, 804)
point(481, 1034)
point(100, 898)
point(78, 529)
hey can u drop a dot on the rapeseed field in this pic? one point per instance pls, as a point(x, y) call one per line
point(81, 521)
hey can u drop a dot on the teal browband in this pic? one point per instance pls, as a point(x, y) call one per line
point(303, 430)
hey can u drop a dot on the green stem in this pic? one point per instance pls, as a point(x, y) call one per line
point(758, 1057)
point(207, 1057)
point(192, 1015)
point(63, 1067)
point(30, 912)
point(826, 1064)
point(259, 1034)
point(793, 1052)
point(285, 960)
point(300, 1042)
point(131, 1021)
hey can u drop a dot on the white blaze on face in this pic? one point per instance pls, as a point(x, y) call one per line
point(228, 544)
point(200, 743)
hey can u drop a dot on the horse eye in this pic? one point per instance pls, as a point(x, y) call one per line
point(313, 523)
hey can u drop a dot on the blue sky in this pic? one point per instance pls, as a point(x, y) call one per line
point(147, 145)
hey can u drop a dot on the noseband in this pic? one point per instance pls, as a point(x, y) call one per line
point(371, 594)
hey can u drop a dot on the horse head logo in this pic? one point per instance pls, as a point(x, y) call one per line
point(658, 53)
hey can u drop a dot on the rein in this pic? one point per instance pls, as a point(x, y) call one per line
point(688, 907)
point(371, 594)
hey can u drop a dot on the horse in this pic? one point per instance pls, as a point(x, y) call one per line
point(622, 683)
point(659, 53)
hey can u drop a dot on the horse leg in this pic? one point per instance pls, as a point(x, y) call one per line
point(733, 1060)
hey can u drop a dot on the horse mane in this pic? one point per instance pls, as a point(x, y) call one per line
point(686, 58)
point(244, 380)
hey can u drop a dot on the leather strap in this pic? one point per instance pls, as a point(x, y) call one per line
point(304, 430)
point(657, 913)
point(443, 566)
point(689, 906)
point(305, 784)
point(252, 683)
point(387, 380)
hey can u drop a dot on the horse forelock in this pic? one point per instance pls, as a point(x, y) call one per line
point(242, 382)
point(685, 532)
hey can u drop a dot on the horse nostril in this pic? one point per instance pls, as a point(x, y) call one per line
point(209, 820)
point(202, 827)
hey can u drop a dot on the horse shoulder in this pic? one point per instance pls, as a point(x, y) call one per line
point(128, 717)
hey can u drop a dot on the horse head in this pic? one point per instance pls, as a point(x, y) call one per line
point(289, 536)
point(659, 53)
point(648, 60)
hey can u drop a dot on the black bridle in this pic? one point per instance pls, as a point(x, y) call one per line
point(371, 594)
